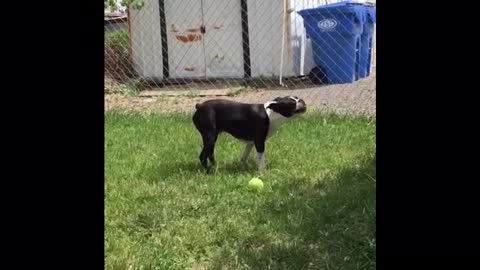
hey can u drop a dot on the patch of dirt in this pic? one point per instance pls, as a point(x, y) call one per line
point(358, 98)
point(163, 103)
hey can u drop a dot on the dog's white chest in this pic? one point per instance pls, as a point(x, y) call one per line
point(275, 119)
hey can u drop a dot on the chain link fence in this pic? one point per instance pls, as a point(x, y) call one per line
point(170, 54)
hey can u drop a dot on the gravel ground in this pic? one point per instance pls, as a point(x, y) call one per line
point(358, 98)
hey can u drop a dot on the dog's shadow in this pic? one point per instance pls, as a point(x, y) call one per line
point(236, 166)
point(170, 170)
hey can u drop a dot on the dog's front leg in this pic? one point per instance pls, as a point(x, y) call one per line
point(260, 147)
point(246, 152)
point(261, 161)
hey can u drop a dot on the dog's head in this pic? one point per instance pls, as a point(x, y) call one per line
point(288, 106)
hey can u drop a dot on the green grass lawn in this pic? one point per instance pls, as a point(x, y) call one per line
point(317, 210)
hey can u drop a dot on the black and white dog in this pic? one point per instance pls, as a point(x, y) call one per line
point(251, 123)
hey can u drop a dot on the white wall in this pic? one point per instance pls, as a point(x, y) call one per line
point(146, 40)
point(265, 29)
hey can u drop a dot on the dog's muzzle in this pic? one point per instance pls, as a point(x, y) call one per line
point(301, 107)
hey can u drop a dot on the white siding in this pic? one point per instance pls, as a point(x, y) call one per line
point(146, 40)
point(265, 29)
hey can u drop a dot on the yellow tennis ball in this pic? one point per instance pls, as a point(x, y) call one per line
point(255, 183)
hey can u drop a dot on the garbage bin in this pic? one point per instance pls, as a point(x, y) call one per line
point(366, 41)
point(335, 33)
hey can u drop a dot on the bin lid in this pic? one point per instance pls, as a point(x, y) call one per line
point(369, 8)
point(360, 9)
point(341, 7)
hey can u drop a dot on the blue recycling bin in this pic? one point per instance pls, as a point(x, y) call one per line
point(335, 33)
point(366, 41)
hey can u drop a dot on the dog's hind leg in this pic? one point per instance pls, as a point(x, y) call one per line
point(203, 122)
point(211, 156)
point(207, 154)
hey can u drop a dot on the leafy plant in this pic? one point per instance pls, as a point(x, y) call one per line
point(118, 63)
point(125, 4)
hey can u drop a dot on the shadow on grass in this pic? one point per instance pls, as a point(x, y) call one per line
point(236, 166)
point(177, 168)
point(322, 226)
